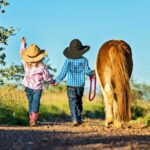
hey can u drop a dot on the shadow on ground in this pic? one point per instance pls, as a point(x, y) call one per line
point(28, 139)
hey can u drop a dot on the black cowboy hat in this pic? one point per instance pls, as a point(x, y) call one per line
point(76, 49)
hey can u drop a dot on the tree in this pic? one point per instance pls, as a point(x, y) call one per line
point(139, 90)
point(5, 33)
point(3, 3)
point(14, 72)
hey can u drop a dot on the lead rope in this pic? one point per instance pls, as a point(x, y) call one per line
point(90, 91)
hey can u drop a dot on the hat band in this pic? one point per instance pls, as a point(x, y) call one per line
point(33, 56)
point(75, 49)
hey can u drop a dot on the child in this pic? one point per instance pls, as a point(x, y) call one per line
point(35, 73)
point(75, 67)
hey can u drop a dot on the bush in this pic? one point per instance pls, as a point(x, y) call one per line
point(10, 116)
point(137, 112)
point(147, 119)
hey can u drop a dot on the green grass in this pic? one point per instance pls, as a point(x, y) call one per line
point(13, 116)
point(55, 107)
point(147, 119)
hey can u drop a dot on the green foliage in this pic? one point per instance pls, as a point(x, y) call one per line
point(13, 73)
point(5, 33)
point(53, 113)
point(147, 119)
point(96, 111)
point(16, 73)
point(13, 116)
point(2, 4)
point(139, 91)
point(137, 112)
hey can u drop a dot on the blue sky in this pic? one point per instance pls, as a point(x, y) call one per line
point(52, 24)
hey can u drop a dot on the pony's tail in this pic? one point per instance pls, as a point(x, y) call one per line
point(121, 82)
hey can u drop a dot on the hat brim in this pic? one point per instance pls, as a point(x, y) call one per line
point(26, 58)
point(72, 54)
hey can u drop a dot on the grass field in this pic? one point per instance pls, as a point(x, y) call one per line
point(54, 106)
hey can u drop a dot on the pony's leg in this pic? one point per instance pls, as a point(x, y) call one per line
point(108, 100)
point(107, 91)
point(117, 123)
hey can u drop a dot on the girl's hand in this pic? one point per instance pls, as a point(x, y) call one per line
point(54, 84)
point(23, 40)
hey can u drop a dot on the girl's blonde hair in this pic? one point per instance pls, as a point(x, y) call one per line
point(33, 64)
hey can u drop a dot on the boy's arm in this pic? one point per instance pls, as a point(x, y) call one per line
point(63, 73)
point(88, 70)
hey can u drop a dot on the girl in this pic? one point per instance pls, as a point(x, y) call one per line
point(35, 73)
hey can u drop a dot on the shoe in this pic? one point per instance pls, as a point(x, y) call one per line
point(75, 123)
point(80, 122)
point(32, 123)
point(33, 119)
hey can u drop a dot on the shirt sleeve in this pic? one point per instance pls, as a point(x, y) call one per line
point(88, 70)
point(46, 75)
point(63, 72)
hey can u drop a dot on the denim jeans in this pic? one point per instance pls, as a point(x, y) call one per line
point(34, 97)
point(75, 95)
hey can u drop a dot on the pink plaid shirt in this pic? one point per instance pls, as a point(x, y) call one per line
point(35, 75)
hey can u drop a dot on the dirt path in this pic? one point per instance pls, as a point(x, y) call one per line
point(89, 135)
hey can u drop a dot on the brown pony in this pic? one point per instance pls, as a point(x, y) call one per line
point(113, 68)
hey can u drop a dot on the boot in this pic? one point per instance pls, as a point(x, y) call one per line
point(33, 119)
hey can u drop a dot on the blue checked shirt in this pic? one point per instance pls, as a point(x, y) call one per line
point(75, 70)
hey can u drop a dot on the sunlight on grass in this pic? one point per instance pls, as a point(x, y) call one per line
point(55, 107)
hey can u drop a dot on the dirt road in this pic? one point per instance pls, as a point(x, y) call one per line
point(90, 135)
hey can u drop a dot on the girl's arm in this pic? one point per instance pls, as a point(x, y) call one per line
point(47, 76)
point(23, 45)
point(22, 48)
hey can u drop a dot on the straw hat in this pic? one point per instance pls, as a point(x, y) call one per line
point(76, 49)
point(33, 54)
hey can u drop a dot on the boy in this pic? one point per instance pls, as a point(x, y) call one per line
point(75, 67)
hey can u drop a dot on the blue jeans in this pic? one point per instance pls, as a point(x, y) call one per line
point(34, 97)
point(75, 95)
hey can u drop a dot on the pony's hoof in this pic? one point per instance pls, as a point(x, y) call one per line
point(118, 125)
point(109, 121)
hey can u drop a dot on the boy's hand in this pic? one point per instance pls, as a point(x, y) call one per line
point(93, 76)
point(93, 73)
point(53, 83)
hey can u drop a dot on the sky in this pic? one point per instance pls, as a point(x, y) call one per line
point(52, 24)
